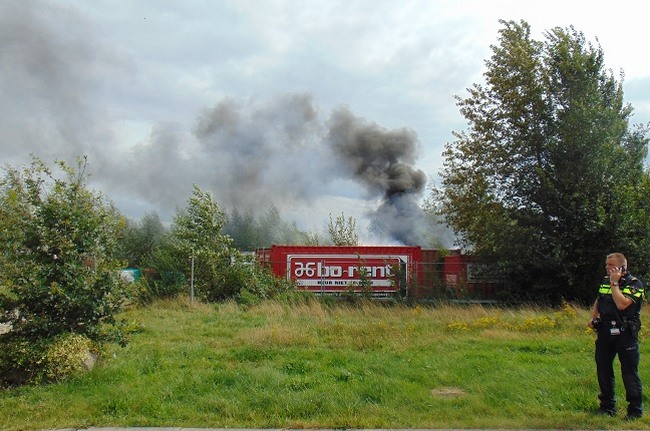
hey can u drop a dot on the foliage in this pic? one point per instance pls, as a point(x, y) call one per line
point(67, 355)
point(20, 361)
point(27, 361)
point(57, 244)
point(250, 232)
point(403, 285)
point(164, 275)
point(633, 225)
point(220, 271)
point(260, 284)
point(343, 231)
point(361, 291)
point(201, 247)
point(140, 241)
point(548, 178)
point(243, 228)
point(165, 284)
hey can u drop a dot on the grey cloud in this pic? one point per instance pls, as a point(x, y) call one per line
point(381, 158)
point(264, 151)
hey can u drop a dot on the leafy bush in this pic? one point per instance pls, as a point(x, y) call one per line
point(136, 292)
point(57, 265)
point(264, 284)
point(67, 355)
point(160, 285)
point(230, 281)
point(25, 361)
point(18, 360)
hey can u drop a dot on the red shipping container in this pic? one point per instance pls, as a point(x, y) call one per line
point(336, 269)
point(467, 277)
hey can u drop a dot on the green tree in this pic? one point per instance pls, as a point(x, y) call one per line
point(141, 239)
point(343, 231)
point(542, 182)
point(632, 230)
point(58, 272)
point(249, 232)
point(197, 235)
point(244, 229)
point(220, 271)
point(274, 230)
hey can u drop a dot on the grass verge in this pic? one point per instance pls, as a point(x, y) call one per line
point(316, 366)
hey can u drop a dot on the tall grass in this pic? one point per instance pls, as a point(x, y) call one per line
point(310, 365)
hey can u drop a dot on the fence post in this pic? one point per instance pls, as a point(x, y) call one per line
point(192, 280)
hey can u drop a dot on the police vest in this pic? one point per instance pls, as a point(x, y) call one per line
point(631, 287)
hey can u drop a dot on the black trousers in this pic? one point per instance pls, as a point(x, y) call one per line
point(626, 346)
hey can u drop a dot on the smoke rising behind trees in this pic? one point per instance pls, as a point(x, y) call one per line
point(383, 161)
point(282, 152)
point(253, 153)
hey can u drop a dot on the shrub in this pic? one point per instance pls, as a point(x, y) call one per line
point(17, 361)
point(57, 264)
point(162, 285)
point(68, 355)
point(25, 361)
point(259, 283)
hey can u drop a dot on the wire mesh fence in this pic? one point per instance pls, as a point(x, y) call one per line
point(417, 281)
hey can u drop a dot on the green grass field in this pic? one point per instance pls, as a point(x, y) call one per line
point(317, 366)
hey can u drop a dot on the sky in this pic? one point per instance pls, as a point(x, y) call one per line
point(318, 107)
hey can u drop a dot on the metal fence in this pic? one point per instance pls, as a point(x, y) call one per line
point(424, 281)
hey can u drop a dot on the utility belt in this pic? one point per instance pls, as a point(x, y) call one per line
point(616, 326)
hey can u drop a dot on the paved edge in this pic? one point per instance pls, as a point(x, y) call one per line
point(281, 429)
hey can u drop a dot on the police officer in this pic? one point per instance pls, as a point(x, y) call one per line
point(616, 318)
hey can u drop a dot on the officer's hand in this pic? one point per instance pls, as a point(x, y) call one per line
point(615, 274)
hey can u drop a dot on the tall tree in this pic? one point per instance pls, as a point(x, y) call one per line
point(197, 235)
point(541, 182)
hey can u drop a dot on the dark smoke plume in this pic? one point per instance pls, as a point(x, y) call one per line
point(382, 160)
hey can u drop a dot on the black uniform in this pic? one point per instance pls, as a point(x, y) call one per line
point(618, 333)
